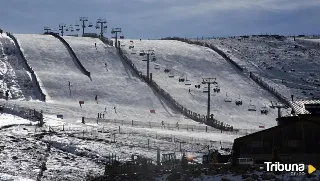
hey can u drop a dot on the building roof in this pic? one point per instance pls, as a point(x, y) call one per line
point(277, 127)
point(299, 108)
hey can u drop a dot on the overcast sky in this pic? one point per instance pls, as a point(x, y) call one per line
point(161, 18)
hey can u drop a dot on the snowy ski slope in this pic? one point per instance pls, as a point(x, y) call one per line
point(291, 66)
point(195, 62)
point(115, 87)
point(14, 76)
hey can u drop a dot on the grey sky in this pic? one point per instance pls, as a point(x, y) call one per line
point(161, 18)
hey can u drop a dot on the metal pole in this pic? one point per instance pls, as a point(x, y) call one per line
point(101, 34)
point(208, 111)
point(148, 66)
point(82, 27)
point(116, 43)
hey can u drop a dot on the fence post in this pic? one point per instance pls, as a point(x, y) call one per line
point(119, 129)
point(148, 143)
point(180, 147)
point(62, 127)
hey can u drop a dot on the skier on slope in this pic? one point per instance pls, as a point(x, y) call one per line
point(96, 98)
point(95, 44)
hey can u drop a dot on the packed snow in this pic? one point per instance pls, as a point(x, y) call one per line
point(194, 63)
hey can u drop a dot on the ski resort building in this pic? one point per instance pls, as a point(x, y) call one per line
point(297, 139)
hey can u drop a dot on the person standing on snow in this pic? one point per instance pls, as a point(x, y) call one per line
point(95, 44)
point(96, 98)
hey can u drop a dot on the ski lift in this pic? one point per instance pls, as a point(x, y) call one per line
point(142, 53)
point(251, 107)
point(77, 27)
point(197, 86)
point(153, 59)
point(90, 24)
point(187, 82)
point(157, 67)
point(181, 79)
point(121, 36)
point(97, 26)
point(105, 27)
point(239, 101)
point(171, 75)
point(205, 90)
point(216, 89)
point(227, 99)
point(67, 29)
point(264, 110)
point(166, 70)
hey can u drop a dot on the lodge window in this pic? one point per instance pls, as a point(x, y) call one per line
point(257, 144)
point(293, 143)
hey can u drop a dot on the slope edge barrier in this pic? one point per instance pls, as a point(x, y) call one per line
point(188, 113)
point(253, 76)
point(26, 113)
point(29, 68)
point(83, 70)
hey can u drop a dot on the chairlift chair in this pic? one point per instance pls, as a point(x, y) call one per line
point(239, 101)
point(227, 99)
point(197, 86)
point(187, 82)
point(166, 70)
point(264, 110)
point(181, 79)
point(121, 37)
point(97, 26)
point(251, 107)
point(171, 75)
point(153, 59)
point(90, 24)
point(157, 67)
point(216, 89)
point(205, 90)
point(105, 27)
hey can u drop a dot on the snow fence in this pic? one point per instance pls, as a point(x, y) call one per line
point(29, 68)
point(82, 69)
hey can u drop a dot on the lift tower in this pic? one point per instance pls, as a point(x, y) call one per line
point(116, 31)
point(148, 53)
point(61, 28)
point(102, 27)
point(208, 81)
point(83, 19)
